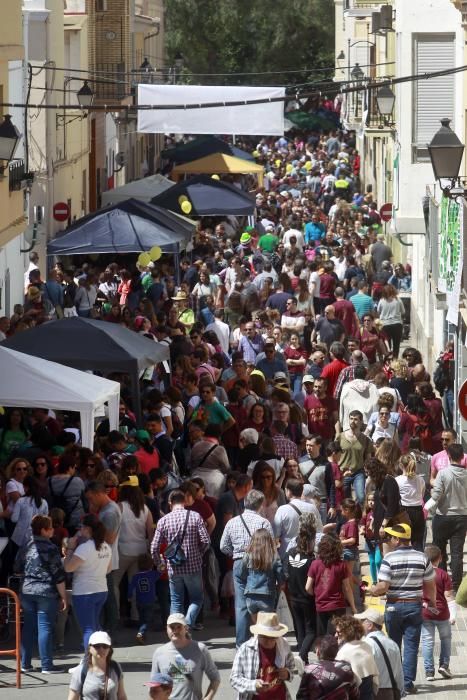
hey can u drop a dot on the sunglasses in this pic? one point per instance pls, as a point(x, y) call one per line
point(21, 469)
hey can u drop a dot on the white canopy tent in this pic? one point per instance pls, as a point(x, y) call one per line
point(28, 381)
point(144, 190)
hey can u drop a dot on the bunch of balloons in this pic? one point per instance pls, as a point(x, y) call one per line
point(151, 256)
point(185, 204)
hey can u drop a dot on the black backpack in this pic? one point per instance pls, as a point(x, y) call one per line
point(58, 500)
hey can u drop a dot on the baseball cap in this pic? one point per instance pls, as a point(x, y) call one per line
point(308, 378)
point(245, 238)
point(100, 638)
point(280, 376)
point(372, 615)
point(158, 679)
point(177, 619)
point(131, 481)
point(402, 530)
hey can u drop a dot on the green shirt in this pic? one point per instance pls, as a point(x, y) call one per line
point(214, 413)
point(268, 242)
point(354, 452)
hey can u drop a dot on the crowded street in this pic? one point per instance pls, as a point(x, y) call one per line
point(233, 389)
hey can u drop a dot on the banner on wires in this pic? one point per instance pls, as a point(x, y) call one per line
point(265, 118)
point(450, 244)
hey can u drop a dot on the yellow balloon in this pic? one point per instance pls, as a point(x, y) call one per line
point(186, 207)
point(215, 177)
point(144, 259)
point(278, 163)
point(155, 253)
point(308, 165)
point(182, 199)
point(289, 168)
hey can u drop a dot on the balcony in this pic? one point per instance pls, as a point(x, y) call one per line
point(112, 84)
point(18, 178)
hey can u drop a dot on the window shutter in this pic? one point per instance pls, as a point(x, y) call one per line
point(433, 98)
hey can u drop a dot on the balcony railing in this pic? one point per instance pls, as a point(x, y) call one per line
point(113, 82)
point(18, 178)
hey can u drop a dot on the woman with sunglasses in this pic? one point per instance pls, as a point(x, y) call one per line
point(89, 558)
point(371, 340)
point(384, 422)
point(98, 676)
point(264, 479)
point(42, 470)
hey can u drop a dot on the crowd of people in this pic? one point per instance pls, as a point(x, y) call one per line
point(289, 430)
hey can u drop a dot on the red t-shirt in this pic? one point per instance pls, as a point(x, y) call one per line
point(331, 373)
point(443, 583)
point(327, 286)
point(348, 530)
point(268, 672)
point(295, 354)
point(345, 312)
point(201, 507)
point(320, 415)
point(328, 585)
point(147, 461)
point(337, 476)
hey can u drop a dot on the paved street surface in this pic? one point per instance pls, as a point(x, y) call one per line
point(136, 661)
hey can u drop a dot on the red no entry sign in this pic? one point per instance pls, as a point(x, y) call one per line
point(386, 212)
point(61, 211)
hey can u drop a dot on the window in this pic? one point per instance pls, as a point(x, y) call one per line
point(432, 99)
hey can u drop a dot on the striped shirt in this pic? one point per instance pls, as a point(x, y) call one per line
point(406, 570)
point(236, 537)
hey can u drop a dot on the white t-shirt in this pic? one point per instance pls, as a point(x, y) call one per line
point(11, 487)
point(90, 576)
point(132, 540)
point(411, 490)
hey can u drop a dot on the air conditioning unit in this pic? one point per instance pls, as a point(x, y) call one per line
point(120, 159)
point(385, 19)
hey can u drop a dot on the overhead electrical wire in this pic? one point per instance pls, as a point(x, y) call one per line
point(361, 87)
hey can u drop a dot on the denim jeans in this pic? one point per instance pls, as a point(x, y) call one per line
point(356, 480)
point(452, 529)
point(194, 586)
point(88, 610)
point(39, 620)
point(260, 603)
point(404, 622)
point(147, 613)
point(242, 617)
point(110, 613)
point(296, 381)
point(429, 628)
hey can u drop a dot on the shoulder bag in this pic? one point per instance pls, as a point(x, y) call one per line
point(395, 690)
point(175, 553)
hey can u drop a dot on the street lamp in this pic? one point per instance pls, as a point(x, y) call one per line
point(85, 95)
point(385, 99)
point(356, 73)
point(146, 70)
point(9, 137)
point(446, 152)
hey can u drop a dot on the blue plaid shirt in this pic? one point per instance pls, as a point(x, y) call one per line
point(41, 564)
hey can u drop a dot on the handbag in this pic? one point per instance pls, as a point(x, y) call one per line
point(395, 690)
point(175, 553)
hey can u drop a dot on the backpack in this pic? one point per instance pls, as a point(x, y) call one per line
point(114, 666)
point(440, 379)
point(58, 500)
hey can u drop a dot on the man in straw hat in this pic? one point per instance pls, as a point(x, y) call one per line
point(404, 577)
point(185, 314)
point(387, 655)
point(263, 662)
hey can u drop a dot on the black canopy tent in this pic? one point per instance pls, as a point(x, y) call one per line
point(208, 197)
point(131, 226)
point(88, 344)
point(203, 146)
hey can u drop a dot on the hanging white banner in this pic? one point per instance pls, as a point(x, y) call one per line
point(266, 118)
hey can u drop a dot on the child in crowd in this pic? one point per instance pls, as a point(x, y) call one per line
point(60, 532)
point(143, 585)
point(373, 546)
point(440, 619)
point(261, 573)
point(349, 536)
